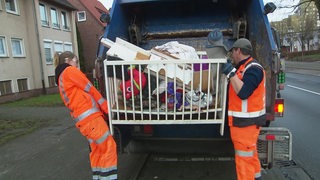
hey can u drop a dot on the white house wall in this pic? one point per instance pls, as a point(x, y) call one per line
point(15, 26)
point(26, 25)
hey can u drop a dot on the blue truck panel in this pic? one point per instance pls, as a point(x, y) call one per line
point(149, 23)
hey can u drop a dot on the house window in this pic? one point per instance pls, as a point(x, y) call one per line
point(58, 47)
point(68, 47)
point(64, 21)
point(54, 18)
point(3, 47)
point(22, 84)
point(17, 47)
point(81, 16)
point(5, 87)
point(43, 15)
point(11, 6)
point(52, 81)
point(48, 52)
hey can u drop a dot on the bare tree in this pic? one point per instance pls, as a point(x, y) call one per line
point(305, 31)
point(301, 2)
point(305, 26)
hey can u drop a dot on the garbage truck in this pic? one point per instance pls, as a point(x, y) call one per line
point(153, 68)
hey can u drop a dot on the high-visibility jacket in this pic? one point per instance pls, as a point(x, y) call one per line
point(80, 96)
point(246, 112)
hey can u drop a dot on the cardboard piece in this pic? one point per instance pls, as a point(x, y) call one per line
point(125, 50)
point(141, 56)
point(201, 76)
point(203, 80)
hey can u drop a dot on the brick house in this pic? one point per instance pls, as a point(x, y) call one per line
point(90, 29)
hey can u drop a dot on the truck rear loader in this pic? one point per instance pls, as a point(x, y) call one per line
point(157, 95)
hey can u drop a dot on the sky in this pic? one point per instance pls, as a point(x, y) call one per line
point(106, 3)
point(277, 15)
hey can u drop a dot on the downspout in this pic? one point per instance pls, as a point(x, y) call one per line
point(44, 91)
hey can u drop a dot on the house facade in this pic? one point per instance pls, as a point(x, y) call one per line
point(31, 32)
point(90, 29)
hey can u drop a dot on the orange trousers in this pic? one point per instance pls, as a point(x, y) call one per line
point(246, 156)
point(103, 155)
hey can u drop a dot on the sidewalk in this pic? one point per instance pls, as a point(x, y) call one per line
point(310, 68)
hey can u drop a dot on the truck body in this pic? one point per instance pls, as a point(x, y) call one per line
point(150, 23)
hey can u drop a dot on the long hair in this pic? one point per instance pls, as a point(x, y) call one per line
point(61, 58)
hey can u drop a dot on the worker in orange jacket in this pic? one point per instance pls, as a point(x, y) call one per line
point(246, 108)
point(86, 107)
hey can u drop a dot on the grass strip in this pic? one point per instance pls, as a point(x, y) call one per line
point(50, 100)
point(11, 129)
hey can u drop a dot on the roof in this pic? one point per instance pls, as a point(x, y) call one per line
point(96, 8)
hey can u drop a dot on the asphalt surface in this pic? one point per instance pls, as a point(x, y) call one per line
point(54, 152)
point(59, 150)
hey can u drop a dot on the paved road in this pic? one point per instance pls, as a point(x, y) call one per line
point(58, 151)
point(302, 101)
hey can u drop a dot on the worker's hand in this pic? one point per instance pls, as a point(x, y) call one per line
point(227, 68)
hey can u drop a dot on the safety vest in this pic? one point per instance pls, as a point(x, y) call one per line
point(245, 112)
point(80, 96)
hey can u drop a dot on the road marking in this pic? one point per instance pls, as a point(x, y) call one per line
point(306, 90)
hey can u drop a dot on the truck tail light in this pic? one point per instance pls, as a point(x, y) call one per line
point(147, 129)
point(279, 107)
point(270, 137)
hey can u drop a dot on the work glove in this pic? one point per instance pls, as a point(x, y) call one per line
point(227, 68)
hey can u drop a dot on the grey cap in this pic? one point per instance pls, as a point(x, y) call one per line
point(243, 43)
point(215, 39)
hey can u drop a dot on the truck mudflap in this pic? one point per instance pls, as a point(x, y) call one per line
point(274, 145)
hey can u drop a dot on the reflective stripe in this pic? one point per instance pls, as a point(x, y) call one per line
point(86, 114)
point(101, 139)
point(249, 65)
point(87, 88)
point(105, 173)
point(247, 114)
point(252, 64)
point(252, 107)
point(245, 105)
point(244, 153)
point(64, 94)
point(245, 102)
point(90, 141)
point(257, 175)
point(66, 100)
point(111, 177)
point(99, 169)
point(101, 100)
